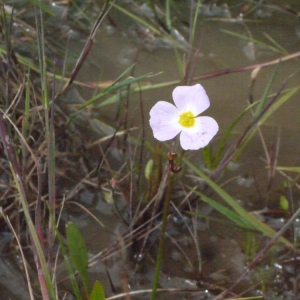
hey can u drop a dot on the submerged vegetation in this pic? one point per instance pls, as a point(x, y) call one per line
point(92, 206)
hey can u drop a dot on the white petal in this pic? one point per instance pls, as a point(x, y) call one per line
point(191, 98)
point(200, 134)
point(164, 121)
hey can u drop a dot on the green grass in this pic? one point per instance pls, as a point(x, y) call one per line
point(53, 150)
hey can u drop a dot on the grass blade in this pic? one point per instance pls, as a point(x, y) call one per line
point(112, 88)
point(247, 217)
point(237, 219)
point(287, 96)
point(288, 169)
point(264, 98)
point(257, 42)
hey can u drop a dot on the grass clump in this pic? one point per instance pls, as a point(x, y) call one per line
point(58, 149)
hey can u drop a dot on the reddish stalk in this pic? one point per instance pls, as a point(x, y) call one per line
point(246, 68)
point(88, 46)
point(8, 149)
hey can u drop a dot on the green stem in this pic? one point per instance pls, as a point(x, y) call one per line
point(162, 236)
point(179, 161)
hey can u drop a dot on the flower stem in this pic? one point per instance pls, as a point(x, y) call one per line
point(162, 236)
point(179, 161)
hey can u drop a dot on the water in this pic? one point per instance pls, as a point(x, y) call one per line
point(117, 47)
point(113, 53)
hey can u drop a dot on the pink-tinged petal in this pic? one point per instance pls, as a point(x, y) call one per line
point(164, 118)
point(200, 134)
point(191, 98)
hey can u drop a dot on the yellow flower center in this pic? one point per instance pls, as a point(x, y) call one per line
point(187, 119)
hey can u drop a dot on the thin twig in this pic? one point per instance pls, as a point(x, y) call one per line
point(87, 47)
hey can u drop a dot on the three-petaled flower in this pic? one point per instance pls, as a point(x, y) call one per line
point(167, 120)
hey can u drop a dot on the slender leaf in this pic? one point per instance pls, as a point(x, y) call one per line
point(276, 44)
point(263, 119)
point(263, 101)
point(71, 275)
point(247, 217)
point(25, 123)
point(137, 18)
point(237, 219)
point(228, 132)
point(112, 88)
point(78, 252)
point(257, 42)
point(97, 292)
point(196, 15)
point(289, 169)
point(33, 233)
point(168, 15)
point(45, 8)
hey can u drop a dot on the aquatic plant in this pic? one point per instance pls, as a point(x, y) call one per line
point(168, 120)
point(62, 145)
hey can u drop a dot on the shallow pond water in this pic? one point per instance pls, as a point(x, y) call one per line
point(221, 247)
point(215, 250)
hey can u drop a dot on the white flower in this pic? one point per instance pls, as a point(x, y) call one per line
point(167, 120)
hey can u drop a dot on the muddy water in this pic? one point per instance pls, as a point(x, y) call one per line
point(221, 247)
point(113, 53)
